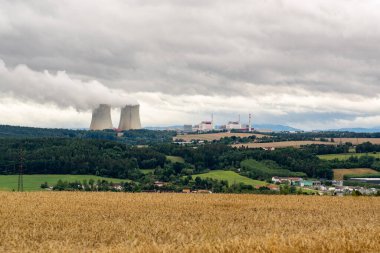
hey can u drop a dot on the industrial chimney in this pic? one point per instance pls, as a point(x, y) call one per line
point(130, 117)
point(250, 123)
point(101, 118)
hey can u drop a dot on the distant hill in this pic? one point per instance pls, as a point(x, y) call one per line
point(164, 128)
point(358, 130)
point(275, 128)
point(24, 132)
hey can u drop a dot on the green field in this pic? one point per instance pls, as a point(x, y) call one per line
point(147, 171)
point(33, 182)
point(346, 156)
point(175, 159)
point(231, 176)
point(266, 170)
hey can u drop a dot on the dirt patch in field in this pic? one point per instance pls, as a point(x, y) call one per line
point(282, 144)
point(339, 173)
point(356, 141)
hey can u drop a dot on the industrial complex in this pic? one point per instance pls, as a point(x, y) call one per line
point(208, 126)
point(130, 119)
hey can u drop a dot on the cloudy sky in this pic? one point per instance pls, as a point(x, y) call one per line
point(308, 64)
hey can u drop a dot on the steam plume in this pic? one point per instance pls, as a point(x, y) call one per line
point(60, 89)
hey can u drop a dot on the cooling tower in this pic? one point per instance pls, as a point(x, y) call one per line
point(130, 117)
point(101, 118)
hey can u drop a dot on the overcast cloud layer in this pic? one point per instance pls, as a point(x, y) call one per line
point(309, 64)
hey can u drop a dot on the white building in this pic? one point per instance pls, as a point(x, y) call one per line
point(233, 125)
point(206, 126)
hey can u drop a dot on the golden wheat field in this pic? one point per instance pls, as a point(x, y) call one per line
point(124, 222)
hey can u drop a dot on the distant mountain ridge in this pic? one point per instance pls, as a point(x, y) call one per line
point(358, 130)
point(22, 131)
point(275, 128)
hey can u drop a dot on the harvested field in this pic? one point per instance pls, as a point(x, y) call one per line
point(339, 173)
point(213, 136)
point(356, 141)
point(122, 222)
point(346, 156)
point(282, 144)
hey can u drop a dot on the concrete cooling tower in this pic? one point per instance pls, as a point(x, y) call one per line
point(130, 117)
point(101, 118)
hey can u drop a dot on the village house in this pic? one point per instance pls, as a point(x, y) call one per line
point(283, 180)
point(204, 191)
point(159, 184)
point(117, 187)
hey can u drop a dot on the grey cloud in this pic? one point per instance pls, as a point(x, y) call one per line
point(321, 54)
point(199, 47)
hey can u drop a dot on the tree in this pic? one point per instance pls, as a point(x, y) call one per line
point(44, 185)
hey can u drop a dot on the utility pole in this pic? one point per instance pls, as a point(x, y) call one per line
point(20, 186)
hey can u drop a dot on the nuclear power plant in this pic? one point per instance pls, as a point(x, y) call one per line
point(129, 118)
point(101, 118)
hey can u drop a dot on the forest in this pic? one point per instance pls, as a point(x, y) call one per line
point(131, 137)
point(114, 159)
point(142, 156)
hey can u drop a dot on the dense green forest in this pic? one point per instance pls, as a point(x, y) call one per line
point(114, 159)
point(219, 156)
point(77, 156)
point(131, 137)
point(141, 156)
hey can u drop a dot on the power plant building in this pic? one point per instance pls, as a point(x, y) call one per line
point(130, 118)
point(205, 126)
point(233, 125)
point(101, 118)
point(187, 128)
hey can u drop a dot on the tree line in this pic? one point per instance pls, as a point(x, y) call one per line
point(77, 156)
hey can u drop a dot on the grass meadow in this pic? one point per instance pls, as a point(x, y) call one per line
point(175, 159)
point(126, 222)
point(33, 182)
point(230, 176)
